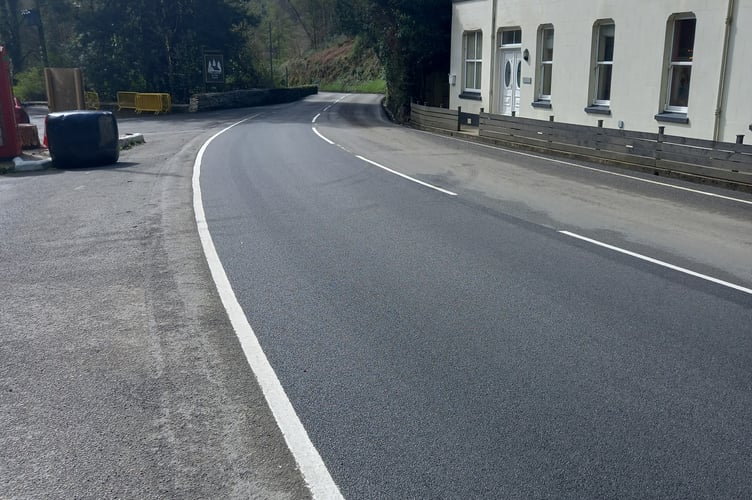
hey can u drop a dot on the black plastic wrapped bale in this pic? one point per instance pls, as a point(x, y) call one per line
point(82, 138)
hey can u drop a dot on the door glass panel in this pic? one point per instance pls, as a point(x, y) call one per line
point(508, 74)
point(519, 73)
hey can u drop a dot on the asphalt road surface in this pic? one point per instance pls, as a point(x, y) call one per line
point(120, 375)
point(456, 321)
point(448, 320)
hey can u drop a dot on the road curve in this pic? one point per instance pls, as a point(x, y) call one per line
point(468, 346)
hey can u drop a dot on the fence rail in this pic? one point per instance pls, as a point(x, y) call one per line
point(729, 162)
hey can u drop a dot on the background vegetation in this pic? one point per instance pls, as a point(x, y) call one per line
point(400, 47)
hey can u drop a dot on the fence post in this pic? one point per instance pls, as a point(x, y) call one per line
point(659, 144)
point(598, 136)
point(459, 118)
point(551, 128)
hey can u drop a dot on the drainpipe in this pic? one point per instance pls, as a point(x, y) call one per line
point(724, 70)
point(492, 66)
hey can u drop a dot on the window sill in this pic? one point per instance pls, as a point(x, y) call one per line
point(598, 110)
point(672, 117)
point(471, 96)
point(541, 104)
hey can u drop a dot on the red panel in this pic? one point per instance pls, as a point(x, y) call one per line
point(10, 142)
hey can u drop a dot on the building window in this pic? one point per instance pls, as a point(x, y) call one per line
point(546, 58)
point(680, 64)
point(473, 60)
point(511, 37)
point(604, 61)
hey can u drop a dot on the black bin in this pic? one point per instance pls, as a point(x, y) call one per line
point(82, 138)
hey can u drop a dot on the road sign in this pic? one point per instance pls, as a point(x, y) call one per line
point(214, 68)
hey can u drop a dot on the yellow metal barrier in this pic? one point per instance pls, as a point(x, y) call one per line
point(166, 103)
point(126, 100)
point(92, 100)
point(152, 102)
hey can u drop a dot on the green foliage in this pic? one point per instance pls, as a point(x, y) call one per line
point(412, 39)
point(156, 45)
point(344, 65)
point(30, 85)
point(377, 86)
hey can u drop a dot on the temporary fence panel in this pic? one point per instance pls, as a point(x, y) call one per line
point(153, 102)
point(126, 100)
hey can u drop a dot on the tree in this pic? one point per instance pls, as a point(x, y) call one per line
point(156, 45)
point(412, 39)
point(10, 31)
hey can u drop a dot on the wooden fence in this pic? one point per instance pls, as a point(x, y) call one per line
point(437, 118)
point(727, 162)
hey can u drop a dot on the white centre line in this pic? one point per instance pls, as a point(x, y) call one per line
point(311, 465)
point(406, 176)
point(659, 262)
point(324, 138)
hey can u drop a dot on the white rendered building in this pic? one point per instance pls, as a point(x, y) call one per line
point(635, 64)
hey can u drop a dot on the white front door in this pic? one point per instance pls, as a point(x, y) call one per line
point(511, 74)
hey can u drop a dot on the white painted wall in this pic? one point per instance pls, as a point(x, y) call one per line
point(737, 115)
point(472, 15)
point(639, 69)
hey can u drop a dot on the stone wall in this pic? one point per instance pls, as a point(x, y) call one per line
point(248, 98)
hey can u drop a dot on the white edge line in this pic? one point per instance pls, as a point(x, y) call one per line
point(406, 176)
point(616, 174)
point(315, 118)
point(319, 134)
point(659, 262)
point(309, 461)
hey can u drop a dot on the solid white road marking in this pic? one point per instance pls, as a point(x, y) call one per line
point(319, 134)
point(407, 176)
point(314, 471)
point(659, 262)
point(593, 169)
point(315, 118)
point(379, 165)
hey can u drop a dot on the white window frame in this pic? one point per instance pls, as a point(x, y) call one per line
point(476, 61)
point(671, 63)
point(601, 65)
point(543, 63)
point(515, 29)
